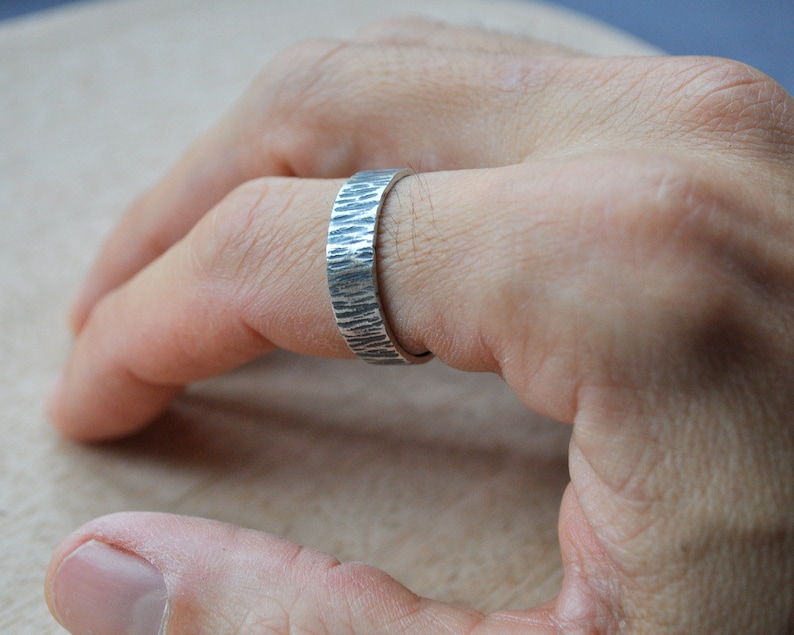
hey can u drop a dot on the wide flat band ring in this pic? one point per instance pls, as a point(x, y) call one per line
point(352, 273)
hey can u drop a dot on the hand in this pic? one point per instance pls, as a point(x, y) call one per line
point(614, 237)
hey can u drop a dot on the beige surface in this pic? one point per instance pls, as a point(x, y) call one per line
point(441, 478)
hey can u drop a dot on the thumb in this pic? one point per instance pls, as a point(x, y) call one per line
point(147, 573)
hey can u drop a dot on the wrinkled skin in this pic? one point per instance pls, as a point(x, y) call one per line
point(613, 237)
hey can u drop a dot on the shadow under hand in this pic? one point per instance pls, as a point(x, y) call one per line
point(443, 479)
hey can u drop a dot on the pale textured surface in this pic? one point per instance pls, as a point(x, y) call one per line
point(441, 478)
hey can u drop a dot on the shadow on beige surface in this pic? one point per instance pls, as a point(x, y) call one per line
point(442, 479)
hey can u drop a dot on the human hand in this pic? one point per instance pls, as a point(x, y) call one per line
point(612, 236)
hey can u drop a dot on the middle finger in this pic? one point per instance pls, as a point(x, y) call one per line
point(329, 109)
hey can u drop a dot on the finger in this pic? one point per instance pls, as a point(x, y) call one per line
point(281, 127)
point(492, 270)
point(249, 277)
point(156, 573)
point(218, 162)
point(419, 31)
point(326, 109)
point(227, 156)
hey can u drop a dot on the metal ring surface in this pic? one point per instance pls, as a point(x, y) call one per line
point(352, 273)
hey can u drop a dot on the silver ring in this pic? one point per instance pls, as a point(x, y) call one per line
point(352, 275)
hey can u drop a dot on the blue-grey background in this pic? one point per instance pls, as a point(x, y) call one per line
point(758, 32)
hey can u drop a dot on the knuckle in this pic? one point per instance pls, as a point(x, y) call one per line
point(731, 99)
point(303, 87)
point(683, 229)
point(232, 229)
point(259, 247)
point(242, 237)
point(718, 270)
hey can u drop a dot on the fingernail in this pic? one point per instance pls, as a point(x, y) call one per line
point(101, 589)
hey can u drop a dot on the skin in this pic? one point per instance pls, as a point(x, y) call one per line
point(613, 237)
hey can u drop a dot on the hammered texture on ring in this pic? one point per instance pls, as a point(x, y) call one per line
point(352, 274)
